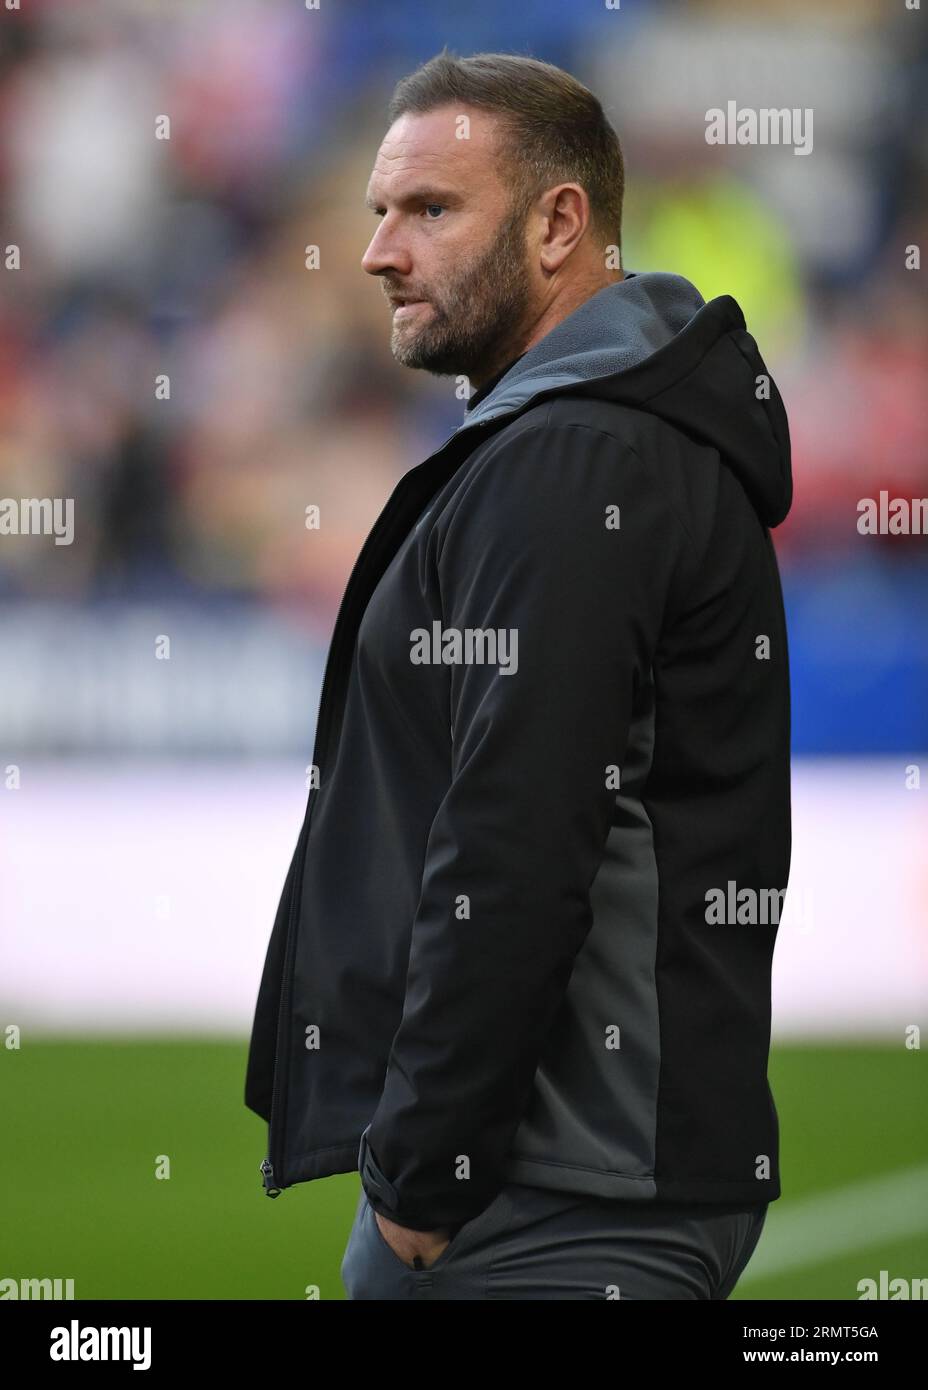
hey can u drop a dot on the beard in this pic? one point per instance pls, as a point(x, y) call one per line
point(472, 321)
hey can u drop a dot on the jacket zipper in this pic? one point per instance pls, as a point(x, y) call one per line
point(272, 1186)
point(272, 1171)
point(267, 1168)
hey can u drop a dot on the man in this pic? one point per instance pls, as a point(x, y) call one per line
point(520, 973)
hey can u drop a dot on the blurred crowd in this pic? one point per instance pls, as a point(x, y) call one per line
point(168, 360)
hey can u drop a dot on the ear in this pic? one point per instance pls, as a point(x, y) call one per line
point(566, 212)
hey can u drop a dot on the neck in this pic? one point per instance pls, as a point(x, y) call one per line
point(548, 316)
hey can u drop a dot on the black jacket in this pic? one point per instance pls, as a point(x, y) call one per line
point(527, 931)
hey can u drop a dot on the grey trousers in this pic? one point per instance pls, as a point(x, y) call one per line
point(532, 1243)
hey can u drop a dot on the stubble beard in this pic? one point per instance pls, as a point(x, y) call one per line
point(472, 322)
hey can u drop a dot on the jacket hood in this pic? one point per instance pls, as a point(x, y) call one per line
point(651, 341)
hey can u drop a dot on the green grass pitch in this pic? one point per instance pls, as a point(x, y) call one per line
point(86, 1122)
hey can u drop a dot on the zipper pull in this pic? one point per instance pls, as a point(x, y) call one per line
point(267, 1169)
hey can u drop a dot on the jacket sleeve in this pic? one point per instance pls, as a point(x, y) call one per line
point(562, 544)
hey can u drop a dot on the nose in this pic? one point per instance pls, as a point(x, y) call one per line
point(386, 252)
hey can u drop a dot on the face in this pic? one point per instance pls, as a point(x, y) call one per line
point(450, 245)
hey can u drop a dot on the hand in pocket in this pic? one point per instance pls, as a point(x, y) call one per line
point(417, 1249)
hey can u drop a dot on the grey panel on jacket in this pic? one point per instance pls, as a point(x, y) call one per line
point(612, 987)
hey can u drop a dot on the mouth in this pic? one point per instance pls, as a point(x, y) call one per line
point(402, 307)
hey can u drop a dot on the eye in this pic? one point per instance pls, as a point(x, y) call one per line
point(433, 207)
